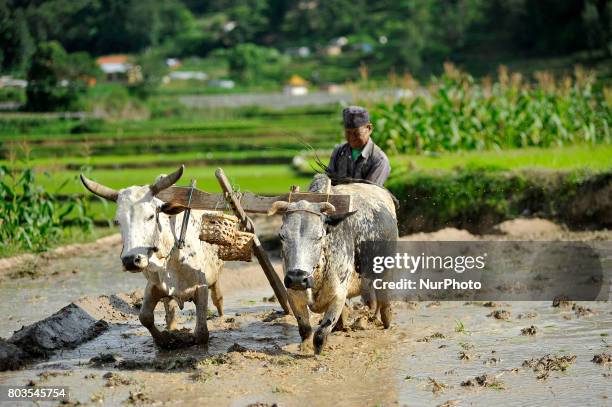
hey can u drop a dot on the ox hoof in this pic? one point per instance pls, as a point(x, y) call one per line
point(306, 346)
point(170, 340)
point(319, 342)
point(201, 338)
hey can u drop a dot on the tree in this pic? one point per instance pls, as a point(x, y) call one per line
point(16, 44)
point(152, 68)
point(56, 79)
point(249, 63)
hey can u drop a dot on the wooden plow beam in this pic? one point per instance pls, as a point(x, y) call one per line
point(251, 203)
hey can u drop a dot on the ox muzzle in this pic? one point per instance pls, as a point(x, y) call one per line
point(137, 262)
point(298, 280)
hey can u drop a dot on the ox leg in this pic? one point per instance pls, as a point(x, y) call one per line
point(170, 307)
point(368, 294)
point(384, 306)
point(201, 304)
point(299, 305)
point(343, 321)
point(333, 313)
point(217, 297)
point(146, 315)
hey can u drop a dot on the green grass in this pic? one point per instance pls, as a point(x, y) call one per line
point(596, 157)
point(255, 178)
point(592, 157)
point(146, 159)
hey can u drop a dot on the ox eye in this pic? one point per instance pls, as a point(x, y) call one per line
point(151, 217)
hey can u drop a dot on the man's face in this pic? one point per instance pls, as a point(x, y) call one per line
point(357, 138)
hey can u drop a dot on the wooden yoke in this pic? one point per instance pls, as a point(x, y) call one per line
point(180, 198)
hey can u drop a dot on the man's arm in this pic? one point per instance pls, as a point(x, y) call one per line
point(380, 170)
point(331, 168)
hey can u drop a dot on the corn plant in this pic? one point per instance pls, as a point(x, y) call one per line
point(457, 113)
point(31, 218)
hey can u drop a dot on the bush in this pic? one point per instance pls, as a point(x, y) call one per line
point(117, 103)
point(153, 68)
point(249, 63)
point(459, 114)
point(56, 80)
point(33, 219)
point(12, 95)
point(476, 199)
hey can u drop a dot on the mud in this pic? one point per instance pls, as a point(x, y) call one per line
point(546, 364)
point(532, 330)
point(485, 380)
point(11, 356)
point(253, 357)
point(602, 358)
point(67, 328)
point(500, 314)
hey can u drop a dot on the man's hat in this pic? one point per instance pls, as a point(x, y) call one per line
point(355, 116)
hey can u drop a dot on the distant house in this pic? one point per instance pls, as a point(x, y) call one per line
point(302, 52)
point(296, 86)
point(188, 75)
point(118, 68)
point(221, 83)
point(10, 82)
point(173, 63)
point(332, 88)
point(331, 50)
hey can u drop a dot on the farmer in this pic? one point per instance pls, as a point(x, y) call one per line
point(359, 157)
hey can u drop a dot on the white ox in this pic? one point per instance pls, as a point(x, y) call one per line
point(150, 230)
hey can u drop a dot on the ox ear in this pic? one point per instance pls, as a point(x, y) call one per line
point(170, 208)
point(333, 220)
point(278, 206)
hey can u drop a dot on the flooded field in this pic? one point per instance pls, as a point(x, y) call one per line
point(437, 353)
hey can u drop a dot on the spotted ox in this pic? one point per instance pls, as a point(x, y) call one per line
point(319, 251)
point(150, 230)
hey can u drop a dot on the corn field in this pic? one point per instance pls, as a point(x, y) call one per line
point(456, 112)
point(31, 218)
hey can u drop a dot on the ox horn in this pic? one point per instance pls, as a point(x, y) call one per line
point(166, 181)
point(99, 189)
point(278, 206)
point(326, 207)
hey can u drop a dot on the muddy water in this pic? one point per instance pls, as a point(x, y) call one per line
point(496, 347)
point(416, 363)
point(58, 282)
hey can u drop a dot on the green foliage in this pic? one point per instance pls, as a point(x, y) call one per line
point(115, 103)
point(460, 114)
point(33, 219)
point(250, 63)
point(406, 35)
point(12, 95)
point(56, 79)
point(16, 42)
point(476, 199)
point(152, 69)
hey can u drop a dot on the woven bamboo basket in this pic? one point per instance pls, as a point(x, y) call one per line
point(241, 250)
point(219, 229)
